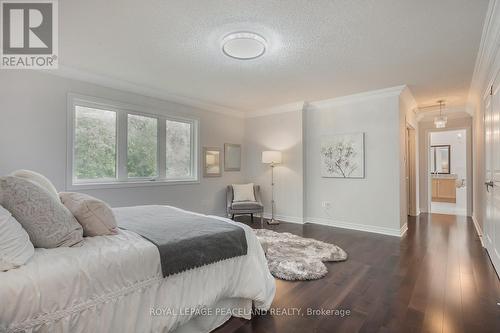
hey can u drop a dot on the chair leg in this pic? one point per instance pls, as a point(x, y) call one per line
point(262, 219)
point(232, 217)
point(251, 216)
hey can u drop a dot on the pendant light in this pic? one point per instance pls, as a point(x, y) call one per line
point(440, 122)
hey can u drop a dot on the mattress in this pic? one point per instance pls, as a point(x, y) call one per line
point(115, 284)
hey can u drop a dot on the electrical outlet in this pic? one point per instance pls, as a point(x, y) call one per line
point(326, 204)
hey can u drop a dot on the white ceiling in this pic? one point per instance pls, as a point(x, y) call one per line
point(317, 49)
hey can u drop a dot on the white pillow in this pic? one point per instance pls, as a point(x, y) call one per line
point(95, 216)
point(38, 179)
point(48, 223)
point(243, 192)
point(15, 245)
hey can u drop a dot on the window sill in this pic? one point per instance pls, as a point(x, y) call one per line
point(129, 184)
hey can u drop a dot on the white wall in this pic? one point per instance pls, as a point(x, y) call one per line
point(372, 203)
point(425, 128)
point(281, 132)
point(33, 107)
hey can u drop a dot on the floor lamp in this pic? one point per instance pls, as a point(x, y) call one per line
point(272, 157)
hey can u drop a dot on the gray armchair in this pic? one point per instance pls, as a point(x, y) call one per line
point(245, 207)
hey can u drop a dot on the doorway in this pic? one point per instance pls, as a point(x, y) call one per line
point(448, 172)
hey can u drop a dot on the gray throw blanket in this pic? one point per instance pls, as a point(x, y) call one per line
point(184, 240)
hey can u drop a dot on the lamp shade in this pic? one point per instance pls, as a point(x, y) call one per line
point(271, 157)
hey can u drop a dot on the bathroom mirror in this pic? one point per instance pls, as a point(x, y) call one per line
point(440, 159)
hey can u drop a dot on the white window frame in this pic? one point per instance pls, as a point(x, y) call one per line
point(122, 111)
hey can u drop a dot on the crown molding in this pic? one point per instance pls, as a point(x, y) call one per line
point(105, 81)
point(452, 113)
point(368, 95)
point(301, 105)
point(446, 109)
point(469, 108)
point(487, 59)
point(407, 96)
point(290, 107)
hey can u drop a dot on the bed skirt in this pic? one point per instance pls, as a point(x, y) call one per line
point(135, 311)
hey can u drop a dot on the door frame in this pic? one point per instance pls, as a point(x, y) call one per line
point(411, 170)
point(469, 180)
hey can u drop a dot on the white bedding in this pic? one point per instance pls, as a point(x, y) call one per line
point(113, 283)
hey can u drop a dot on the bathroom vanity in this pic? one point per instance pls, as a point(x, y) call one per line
point(444, 188)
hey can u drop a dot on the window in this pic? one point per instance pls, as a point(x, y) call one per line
point(111, 144)
point(179, 150)
point(95, 143)
point(142, 145)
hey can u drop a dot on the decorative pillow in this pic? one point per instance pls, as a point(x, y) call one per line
point(15, 245)
point(37, 179)
point(243, 192)
point(95, 216)
point(48, 223)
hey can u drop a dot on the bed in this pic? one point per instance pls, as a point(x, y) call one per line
point(115, 284)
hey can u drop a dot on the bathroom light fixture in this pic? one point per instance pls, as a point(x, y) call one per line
point(244, 45)
point(440, 122)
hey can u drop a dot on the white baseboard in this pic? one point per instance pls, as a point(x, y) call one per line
point(355, 226)
point(478, 230)
point(403, 230)
point(341, 224)
point(417, 213)
point(285, 218)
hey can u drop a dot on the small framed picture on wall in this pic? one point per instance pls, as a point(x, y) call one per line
point(232, 157)
point(212, 162)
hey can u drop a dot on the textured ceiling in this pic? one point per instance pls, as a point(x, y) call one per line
point(317, 49)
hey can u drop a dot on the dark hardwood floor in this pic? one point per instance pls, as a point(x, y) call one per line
point(437, 278)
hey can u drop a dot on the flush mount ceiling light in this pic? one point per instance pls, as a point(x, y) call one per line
point(440, 122)
point(244, 45)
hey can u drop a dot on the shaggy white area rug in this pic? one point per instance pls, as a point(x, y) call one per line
point(291, 257)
